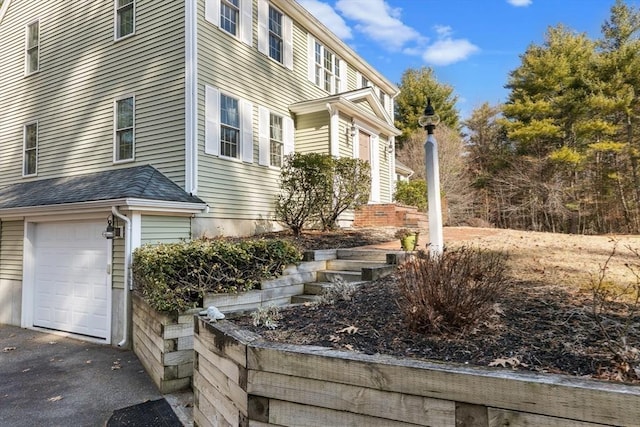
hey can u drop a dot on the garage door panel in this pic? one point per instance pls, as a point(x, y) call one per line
point(71, 289)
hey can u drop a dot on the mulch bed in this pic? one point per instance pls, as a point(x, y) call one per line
point(535, 327)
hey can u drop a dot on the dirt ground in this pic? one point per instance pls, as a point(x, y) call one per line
point(544, 322)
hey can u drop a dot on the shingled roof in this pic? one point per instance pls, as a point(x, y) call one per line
point(139, 182)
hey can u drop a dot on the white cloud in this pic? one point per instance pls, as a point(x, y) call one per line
point(447, 51)
point(380, 22)
point(328, 16)
point(519, 3)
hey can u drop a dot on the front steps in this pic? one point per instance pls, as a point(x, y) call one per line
point(304, 282)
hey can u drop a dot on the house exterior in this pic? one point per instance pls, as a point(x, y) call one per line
point(136, 121)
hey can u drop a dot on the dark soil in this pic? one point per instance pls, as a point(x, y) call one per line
point(535, 326)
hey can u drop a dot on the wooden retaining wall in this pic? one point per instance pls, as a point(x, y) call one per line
point(164, 345)
point(240, 380)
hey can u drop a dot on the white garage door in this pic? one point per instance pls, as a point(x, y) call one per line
point(71, 292)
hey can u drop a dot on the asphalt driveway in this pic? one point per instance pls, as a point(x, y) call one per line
point(49, 380)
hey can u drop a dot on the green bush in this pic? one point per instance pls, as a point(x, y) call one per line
point(412, 193)
point(318, 188)
point(175, 277)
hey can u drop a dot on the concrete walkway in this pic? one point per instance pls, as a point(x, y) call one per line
point(49, 380)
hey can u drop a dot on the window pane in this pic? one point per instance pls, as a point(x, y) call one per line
point(229, 111)
point(275, 48)
point(125, 113)
point(124, 144)
point(31, 136)
point(32, 40)
point(275, 155)
point(229, 140)
point(275, 21)
point(125, 20)
point(30, 162)
point(124, 3)
point(275, 127)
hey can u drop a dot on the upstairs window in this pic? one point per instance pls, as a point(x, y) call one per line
point(33, 48)
point(229, 126)
point(276, 140)
point(124, 130)
point(275, 34)
point(30, 158)
point(235, 17)
point(125, 18)
point(326, 69)
point(229, 13)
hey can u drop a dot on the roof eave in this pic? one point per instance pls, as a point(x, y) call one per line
point(144, 205)
point(3, 9)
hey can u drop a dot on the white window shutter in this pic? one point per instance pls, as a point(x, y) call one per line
point(212, 11)
point(263, 136)
point(246, 21)
point(343, 76)
point(359, 80)
point(263, 26)
point(246, 141)
point(287, 29)
point(212, 121)
point(375, 169)
point(288, 132)
point(311, 59)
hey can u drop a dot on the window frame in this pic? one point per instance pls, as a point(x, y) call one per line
point(222, 18)
point(36, 148)
point(273, 35)
point(327, 76)
point(28, 49)
point(117, 130)
point(116, 20)
point(273, 142)
point(238, 129)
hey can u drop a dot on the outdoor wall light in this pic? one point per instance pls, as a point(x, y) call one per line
point(112, 231)
point(354, 129)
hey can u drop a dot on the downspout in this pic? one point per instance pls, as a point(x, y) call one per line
point(127, 268)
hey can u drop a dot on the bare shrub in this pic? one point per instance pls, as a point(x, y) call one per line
point(615, 308)
point(452, 292)
point(339, 290)
point(267, 317)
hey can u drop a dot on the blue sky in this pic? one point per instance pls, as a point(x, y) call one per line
point(470, 44)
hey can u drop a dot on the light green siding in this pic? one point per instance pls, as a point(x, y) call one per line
point(117, 277)
point(11, 247)
point(312, 133)
point(82, 71)
point(165, 229)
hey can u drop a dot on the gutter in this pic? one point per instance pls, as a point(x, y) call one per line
point(127, 282)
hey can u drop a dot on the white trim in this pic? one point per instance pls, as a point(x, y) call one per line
point(263, 136)
point(26, 46)
point(287, 41)
point(4, 8)
point(375, 169)
point(211, 120)
point(191, 97)
point(311, 60)
point(115, 129)
point(246, 22)
point(288, 133)
point(246, 130)
point(24, 148)
point(334, 130)
point(263, 27)
point(115, 22)
point(180, 208)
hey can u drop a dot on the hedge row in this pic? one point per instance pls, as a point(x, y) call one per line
point(175, 277)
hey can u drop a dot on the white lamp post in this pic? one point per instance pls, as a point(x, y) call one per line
point(429, 121)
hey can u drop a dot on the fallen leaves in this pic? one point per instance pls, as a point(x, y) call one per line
point(54, 399)
point(8, 349)
point(348, 330)
point(513, 362)
point(116, 365)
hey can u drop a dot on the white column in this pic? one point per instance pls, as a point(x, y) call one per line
point(432, 169)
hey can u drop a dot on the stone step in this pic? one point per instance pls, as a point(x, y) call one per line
point(362, 254)
point(302, 299)
point(348, 276)
point(351, 264)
